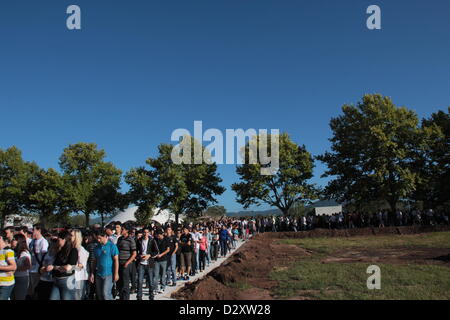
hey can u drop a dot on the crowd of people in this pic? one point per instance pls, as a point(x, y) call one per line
point(108, 263)
point(122, 259)
point(351, 219)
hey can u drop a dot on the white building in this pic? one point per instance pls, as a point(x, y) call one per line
point(326, 207)
point(160, 216)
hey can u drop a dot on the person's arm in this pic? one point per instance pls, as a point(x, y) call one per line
point(164, 253)
point(93, 269)
point(176, 248)
point(11, 263)
point(116, 268)
point(72, 261)
point(133, 254)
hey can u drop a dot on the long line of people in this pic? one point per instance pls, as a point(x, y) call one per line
point(108, 263)
point(122, 259)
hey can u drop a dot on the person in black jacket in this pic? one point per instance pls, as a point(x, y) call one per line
point(147, 250)
point(63, 270)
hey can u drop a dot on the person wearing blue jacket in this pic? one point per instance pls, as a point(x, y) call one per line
point(223, 239)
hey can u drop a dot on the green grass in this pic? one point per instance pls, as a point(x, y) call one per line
point(238, 285)
point(309, 277)
point(348, 281)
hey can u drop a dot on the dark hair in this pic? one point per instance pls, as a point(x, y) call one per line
point(127, 227)
point(2, 234)
point(110, 227)
point(21, 243)
point(65, 250)
point(10, 228)
point(101, 233)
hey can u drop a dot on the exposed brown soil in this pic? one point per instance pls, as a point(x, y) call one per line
point(245, 275)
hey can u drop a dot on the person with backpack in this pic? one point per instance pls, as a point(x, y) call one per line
point(38, 249)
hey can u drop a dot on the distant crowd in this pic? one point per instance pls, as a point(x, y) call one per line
point(122, 259)
point(348, 220)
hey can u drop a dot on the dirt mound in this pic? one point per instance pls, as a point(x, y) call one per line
point(245, 275)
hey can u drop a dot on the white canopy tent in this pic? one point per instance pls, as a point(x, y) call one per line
point(160, 216)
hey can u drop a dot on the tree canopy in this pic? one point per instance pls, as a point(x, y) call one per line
point(182, 188)
point(93, 183)
point(286, 186)
point(374, 147)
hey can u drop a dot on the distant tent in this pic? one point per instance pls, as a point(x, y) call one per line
point(326, 207)
point(161, 217)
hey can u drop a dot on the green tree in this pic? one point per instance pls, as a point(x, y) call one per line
point(434, 169)
point(286, 186)
point(215, 211)
point(92, 181)
point(144, 215)
point(182, 188)
point(14, 175)
point(374, 146)
point(46, 194)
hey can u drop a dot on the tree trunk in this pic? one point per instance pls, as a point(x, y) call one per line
point(87, 214)
point(43, 221)
point(2, 220)
point(176, 217)
point(393, 205)
point(103, 220)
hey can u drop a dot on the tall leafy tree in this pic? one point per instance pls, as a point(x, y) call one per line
point(286, 186)
point(434, 165)
point(373, 148)
point(47, 195)
point(182, 188)
point(14, 174)
point(92, 182)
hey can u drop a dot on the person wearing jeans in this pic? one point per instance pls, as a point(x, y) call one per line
point(161, 261)
point(7, 268)
point(171, 257)
point(63, 288)
point(223, 239)
point(147, 250)
point(208, 235)
point(127, 255)
point(63, 268)
point(105, 267)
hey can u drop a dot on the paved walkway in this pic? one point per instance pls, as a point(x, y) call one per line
point(169, 290)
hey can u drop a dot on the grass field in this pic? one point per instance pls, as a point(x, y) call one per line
point(310, 277)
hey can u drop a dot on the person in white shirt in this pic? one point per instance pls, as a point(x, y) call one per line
point(38, 249)
point(81, 269)
point(23, 261)
point(196, 236)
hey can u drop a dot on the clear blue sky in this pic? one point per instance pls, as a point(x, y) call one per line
point(140, 69)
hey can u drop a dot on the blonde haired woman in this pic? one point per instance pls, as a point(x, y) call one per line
point(81, 272)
